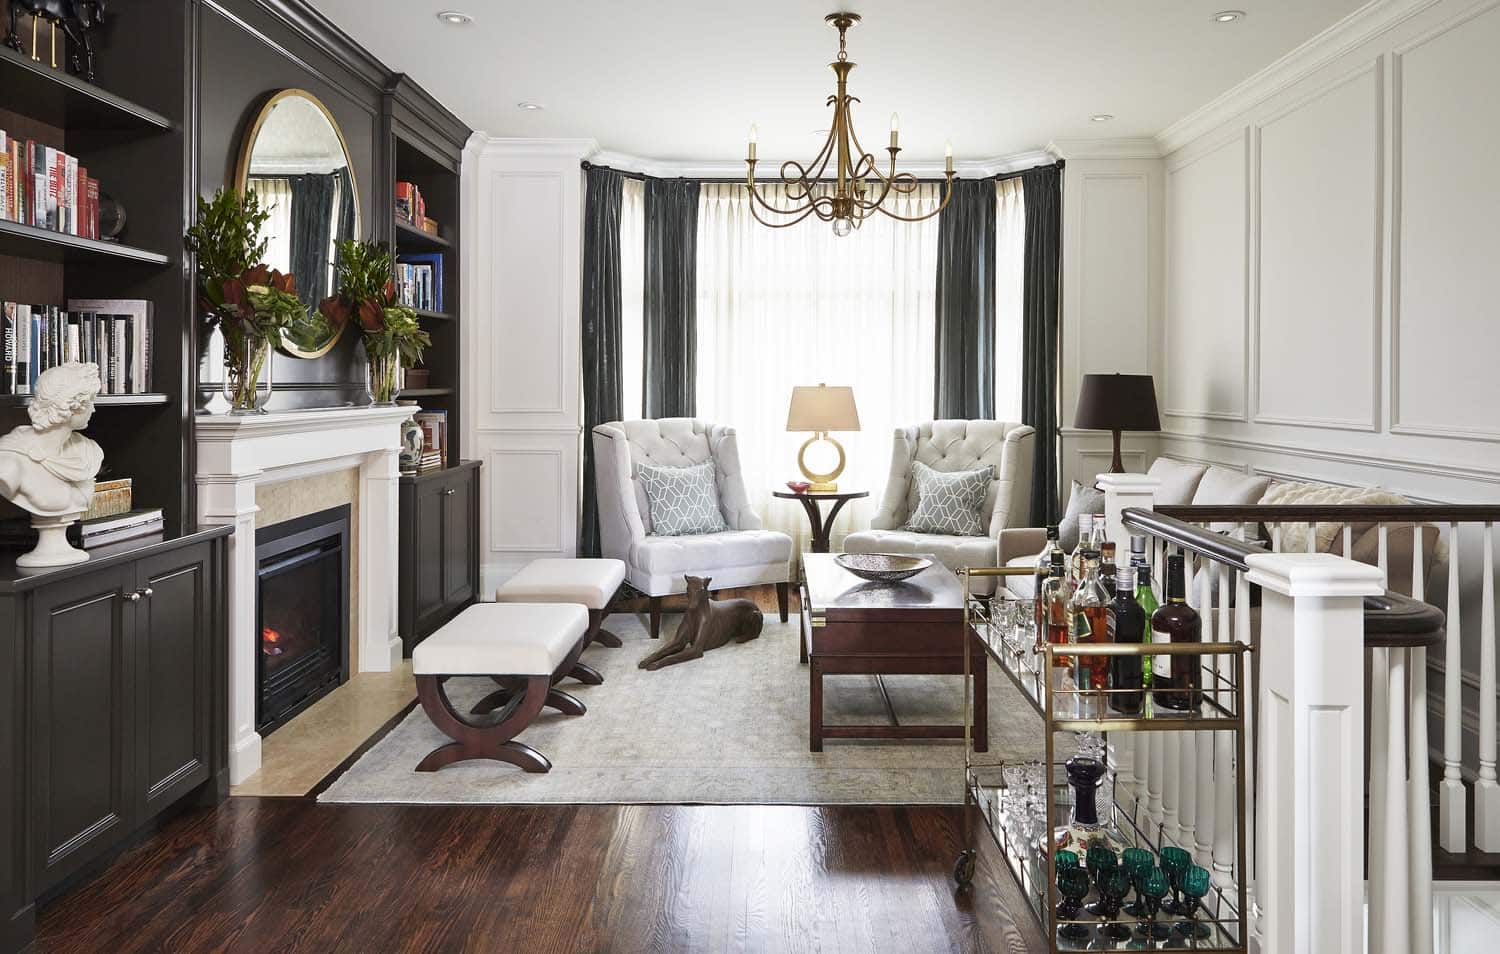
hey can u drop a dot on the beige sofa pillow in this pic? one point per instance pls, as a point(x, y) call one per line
point(1228, 488)
point(1178, 481)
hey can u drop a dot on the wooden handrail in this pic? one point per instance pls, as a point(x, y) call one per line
point(1391, 619)
point(1335, 513)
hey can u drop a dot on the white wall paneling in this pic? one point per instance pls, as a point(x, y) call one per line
point(522, 286)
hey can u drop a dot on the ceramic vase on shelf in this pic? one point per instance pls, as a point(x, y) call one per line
point(247, 381)
point(385, 379)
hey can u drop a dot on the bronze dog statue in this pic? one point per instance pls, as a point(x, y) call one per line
point(708, 624)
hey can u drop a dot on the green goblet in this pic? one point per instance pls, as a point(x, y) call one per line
point(1151, 889)
point(1073, 885)
point(1113, 885)
point(1195, 883)
point(1065, 859)
point(1136, 862)
point(1174, 862)
point(1101, 860)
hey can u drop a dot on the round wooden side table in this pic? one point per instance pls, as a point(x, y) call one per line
point(821, 526)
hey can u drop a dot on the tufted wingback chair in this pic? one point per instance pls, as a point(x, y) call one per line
point(744, 555)
point(952, 446)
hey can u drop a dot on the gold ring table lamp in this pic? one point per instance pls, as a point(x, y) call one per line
point(822, 409)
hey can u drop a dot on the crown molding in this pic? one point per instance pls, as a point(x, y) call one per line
point(1077, 149)
point(735, 168)
point(486, 146)
point(1361, 26)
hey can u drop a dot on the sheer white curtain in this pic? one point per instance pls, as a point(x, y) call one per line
point(632, 293)
point(275, 195)
point(784, 307)
point(1010, 280)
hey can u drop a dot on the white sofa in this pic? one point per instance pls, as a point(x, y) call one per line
point(952, 446)
point(744, 555)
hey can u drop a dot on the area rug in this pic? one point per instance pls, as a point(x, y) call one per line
point(727, 729)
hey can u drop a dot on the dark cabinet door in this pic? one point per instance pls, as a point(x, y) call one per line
point(428, 589)
point(82, 743)
point(174, 684)
point(460, 511)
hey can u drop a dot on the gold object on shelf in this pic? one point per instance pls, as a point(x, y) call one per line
point(852, 198)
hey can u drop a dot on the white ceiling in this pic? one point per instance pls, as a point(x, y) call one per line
point(683, 79)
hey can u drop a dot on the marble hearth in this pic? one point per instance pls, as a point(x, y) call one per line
point(235, 456)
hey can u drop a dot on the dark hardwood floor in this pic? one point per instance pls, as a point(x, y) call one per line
point(263, 874)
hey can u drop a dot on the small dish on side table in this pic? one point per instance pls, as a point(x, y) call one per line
point(882, 567)
point(798, 486)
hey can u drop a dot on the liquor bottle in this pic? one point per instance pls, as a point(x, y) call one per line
point(1145, 596)
point(1128, 625)
point(1043, 570)
point(1059, 599)
point(1075, 559)
point(1176, 681)
point(1091, 624)
point(1107, 567)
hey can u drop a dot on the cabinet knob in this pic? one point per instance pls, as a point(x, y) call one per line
point(450, 492)
point(133, 597)
point(147, 592)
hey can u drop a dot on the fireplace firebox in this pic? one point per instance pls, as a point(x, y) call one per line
point(301, 613)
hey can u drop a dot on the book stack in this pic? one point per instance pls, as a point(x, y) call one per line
point(115, 334)
point(46, 188)
point(411, 209)
point(434, 426)
point(131, 525)
point(419, 281)
point(111, 498)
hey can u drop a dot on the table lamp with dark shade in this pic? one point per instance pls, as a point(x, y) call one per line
point(1117, 402)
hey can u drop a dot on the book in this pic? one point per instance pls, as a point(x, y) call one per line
point(434, 426)
point(142, 533)
point(406, 201)
point(434, 263)
point(125, 349)
point(123, 521)
point(111, 497)
point(67, 201)
point(5, 204)
point(8, 369)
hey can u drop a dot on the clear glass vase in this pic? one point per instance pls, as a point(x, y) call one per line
point(385, 379)
point(247, 376)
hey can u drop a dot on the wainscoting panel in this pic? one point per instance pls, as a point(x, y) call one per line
point(1320, 248)
point(1206, 316)
point(1447, 243)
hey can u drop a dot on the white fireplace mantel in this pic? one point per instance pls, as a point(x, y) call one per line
point(235, 454)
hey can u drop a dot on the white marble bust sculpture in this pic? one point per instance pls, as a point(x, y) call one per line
point(48, 468)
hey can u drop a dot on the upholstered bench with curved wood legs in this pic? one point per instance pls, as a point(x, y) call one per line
point(525, 647)
point(591, 582)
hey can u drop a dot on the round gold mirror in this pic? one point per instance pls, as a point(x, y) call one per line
point(295, 160)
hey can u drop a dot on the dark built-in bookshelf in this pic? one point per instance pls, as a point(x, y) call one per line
point(130, 131)
point(428, 154)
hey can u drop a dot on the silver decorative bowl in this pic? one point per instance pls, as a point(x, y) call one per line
point(882, 567)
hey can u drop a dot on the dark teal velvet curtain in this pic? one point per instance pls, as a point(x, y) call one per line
point(965, 321)
point(670, 374)
point(1040, 299)
point(603, 394)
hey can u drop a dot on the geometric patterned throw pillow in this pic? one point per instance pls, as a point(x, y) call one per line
point(949, 503)
point(683, 500)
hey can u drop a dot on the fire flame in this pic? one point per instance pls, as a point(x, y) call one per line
point(268, 640)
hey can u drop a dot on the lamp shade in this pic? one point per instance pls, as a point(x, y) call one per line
point(1117, 402)
point(822, 408)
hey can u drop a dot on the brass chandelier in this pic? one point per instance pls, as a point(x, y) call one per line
point(859, 188)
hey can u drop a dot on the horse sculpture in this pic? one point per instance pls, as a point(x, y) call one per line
point(77, 18)
point(708, 624)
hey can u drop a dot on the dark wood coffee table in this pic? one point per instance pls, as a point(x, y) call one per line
point(851, 626)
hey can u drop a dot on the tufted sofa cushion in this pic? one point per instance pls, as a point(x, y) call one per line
point(950, 446)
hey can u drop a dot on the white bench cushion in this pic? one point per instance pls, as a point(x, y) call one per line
point(502, 639)
point(555, 580)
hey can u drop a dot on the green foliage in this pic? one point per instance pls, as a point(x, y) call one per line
point(226, 240)
point(401, 335)
point(367, 295)
point(364, 271)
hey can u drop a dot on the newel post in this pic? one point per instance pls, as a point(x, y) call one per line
point(1310, 774)
point(1122, 491)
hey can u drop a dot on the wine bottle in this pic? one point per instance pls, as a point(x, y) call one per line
point(1127, 625)
point(1107, 567)
point(1145, 596)
point(1075, 559)
point(1043, 570)
point(1176, 680)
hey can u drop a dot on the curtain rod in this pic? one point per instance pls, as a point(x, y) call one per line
point(643, 177)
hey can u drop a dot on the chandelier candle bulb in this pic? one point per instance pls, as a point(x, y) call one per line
point(754, 138)
point(895, 130)
point(948, 155)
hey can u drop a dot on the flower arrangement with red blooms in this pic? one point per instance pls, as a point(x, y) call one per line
point(367, 295)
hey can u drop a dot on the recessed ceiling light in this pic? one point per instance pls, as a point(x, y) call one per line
point(455, 18)
point(1101, 117)
point(1229, 16)
point(528, 105)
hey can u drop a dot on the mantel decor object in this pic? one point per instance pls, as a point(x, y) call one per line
point(820, 410)
point(1117, 402)
point(47, 468)
point(249, 303)
point(858, 188)
point(393, 338)
point(77, 18)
